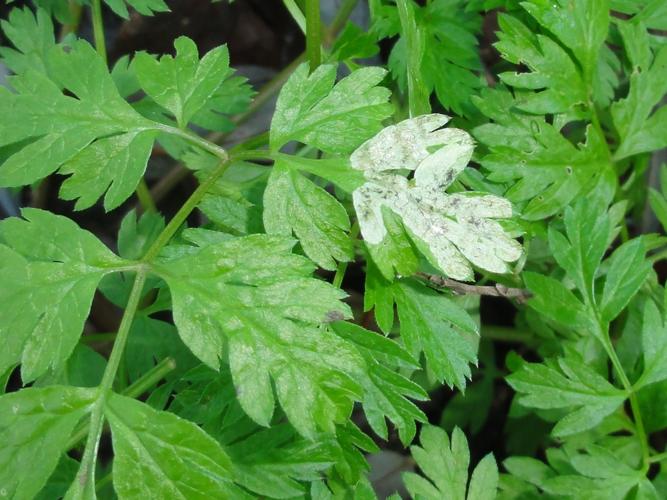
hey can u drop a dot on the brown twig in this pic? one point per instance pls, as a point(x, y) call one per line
point(458, 288)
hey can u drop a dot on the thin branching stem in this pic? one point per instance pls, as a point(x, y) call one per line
point(86, 474)
point(313, 34)
point(98, 29)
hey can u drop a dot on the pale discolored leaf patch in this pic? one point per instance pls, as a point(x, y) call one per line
point(454, 231)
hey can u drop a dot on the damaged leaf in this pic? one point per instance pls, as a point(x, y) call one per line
point(455, 231)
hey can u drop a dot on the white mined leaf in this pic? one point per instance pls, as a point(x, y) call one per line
point(454, 231)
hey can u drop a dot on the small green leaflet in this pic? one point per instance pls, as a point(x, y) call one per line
point(556, 302)
point(600, 473)
point(579, 25)
point(35, 427)
point(334, 118)
point(563, 83)
point(445, 463)
point(271, 462)
point(545, 170)
point(654, 346)
point(430, 323)
point(450, 61)
point(412, 41)
point(253, 303)
point(639, 129)
point(354, 43)
point(434, 325)
point(160, 455)
point(143, 7)
point(293, 203)
point(32, 35)
point(37, 330)
point(183, 85)
point(554, 75)
point(628, 270)
point(588, 228)
point(97, 136)
point(454, 231)
point(568, 385)
point(386, 390)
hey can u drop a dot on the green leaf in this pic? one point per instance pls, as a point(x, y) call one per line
point(603, 475)
point(84, 368)
point(35, 427)
point(143, 7)
point(253, 303)
point(354, 43)
point(395, 254)
point(472, 409)
point(333, 118)
point(415, 43)
point(431, 323)
point(135, 236)
point(560, 86)
point(385, 389)
point(158, 454)
point(32, 35)
point(232, 97)
point(568, 385)
point(378, 296)
point(450, 64)
point(59, 481)
point(628, 269)
point(445, 463)
point(588, 230)
point(271, 462)
point(580, 25)
point(111, 163)
point(529, 469)
point(654, 345)
point(658, 205)
point(640, 129)
point(454, 231)
point(57, 130)
point(293, 204)
point(183, 84)
point(336, 170)
point(542, 166)
point(36, 329)
point(552, 299)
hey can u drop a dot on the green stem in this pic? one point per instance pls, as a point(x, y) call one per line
point(658, 256)
point(150, 378)
point(98, 29)
point(193, 138)
point(178, 173)
point(418, 97)
point(642, 437)
point(145, 198)
point(296, 14)
point(659, 457)
point(313, 34)
point(104, 481)
point(342, 266)
point(91, 338)
point(75, 10)
point(86, 474)
point(183, 213)
point(339, 21)
point(192, 202)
